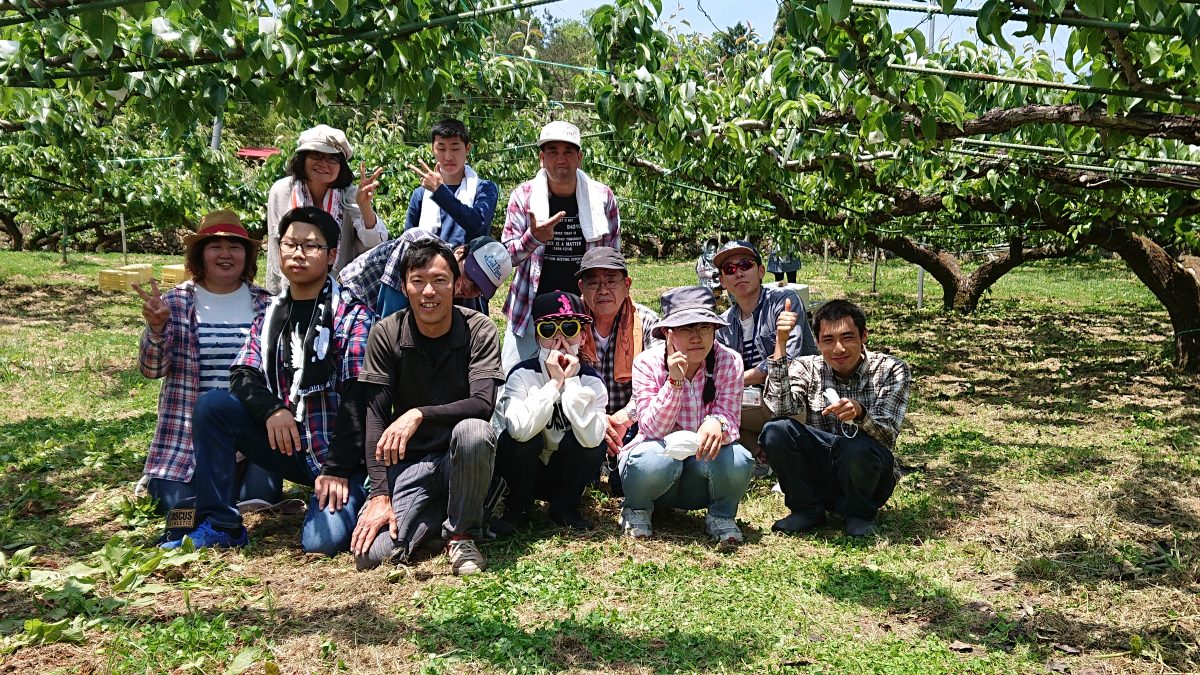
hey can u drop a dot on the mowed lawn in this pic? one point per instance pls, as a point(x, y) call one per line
point(1048, 522)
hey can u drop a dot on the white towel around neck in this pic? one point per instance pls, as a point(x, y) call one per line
point(589, 195)
point(431, 213)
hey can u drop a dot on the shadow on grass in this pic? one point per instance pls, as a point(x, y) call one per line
point(978, 622)
point(50, 466)
point(62, 306)
point(591, 642)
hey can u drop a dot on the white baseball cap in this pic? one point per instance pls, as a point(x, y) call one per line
point(488, 264)
point(324, 138)
point(560, 131)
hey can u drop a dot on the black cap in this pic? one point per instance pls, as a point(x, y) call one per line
point(732, 248)
point(601, 258)
point(558, 305)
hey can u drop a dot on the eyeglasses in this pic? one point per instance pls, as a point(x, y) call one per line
point(732, 267)
point(608, 284)
point(569, 328)
point(309, 247)
point(325, 157)
point(696, 330)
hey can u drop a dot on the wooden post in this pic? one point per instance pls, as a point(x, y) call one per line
point(850, 260)
point(826, 257)
point(64, 243)
point(124, 246)
point(875, 272)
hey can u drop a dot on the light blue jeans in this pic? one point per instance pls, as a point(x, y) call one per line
point(652, 479)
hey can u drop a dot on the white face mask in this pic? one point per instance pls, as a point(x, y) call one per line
point(544, 353)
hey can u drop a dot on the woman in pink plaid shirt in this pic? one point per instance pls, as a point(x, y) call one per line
point(688, 397)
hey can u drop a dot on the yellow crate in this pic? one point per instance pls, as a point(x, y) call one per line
point(117, 280)
point(173, 275)
point(143, 271)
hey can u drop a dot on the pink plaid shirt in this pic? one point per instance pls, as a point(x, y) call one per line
point(175, 355)
point(663, 409)
point(526, 252)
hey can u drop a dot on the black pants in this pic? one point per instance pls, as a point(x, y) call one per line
point(560, 482)
point(821, 471)
point(778, 276)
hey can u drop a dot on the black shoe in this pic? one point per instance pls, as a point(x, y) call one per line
point(509, 523)
point(796, 523)
point(859, 527)
point(572, 520)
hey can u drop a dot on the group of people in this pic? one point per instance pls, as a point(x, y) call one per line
point(370, 371)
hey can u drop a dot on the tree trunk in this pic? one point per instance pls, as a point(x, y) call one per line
point(962, 292)
point(943, 266)
point(1174, 285)
point(13, 230)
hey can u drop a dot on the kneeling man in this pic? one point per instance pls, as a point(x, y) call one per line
point(848, 404)
point(429, 380)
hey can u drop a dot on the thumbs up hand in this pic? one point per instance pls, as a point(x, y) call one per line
point(786, 322)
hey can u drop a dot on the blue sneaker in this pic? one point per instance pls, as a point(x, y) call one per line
point(206, 536)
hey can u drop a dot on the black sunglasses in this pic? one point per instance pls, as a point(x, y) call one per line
point(732, 267)
point(569, 328)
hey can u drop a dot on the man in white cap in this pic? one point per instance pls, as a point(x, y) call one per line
point(552, 220)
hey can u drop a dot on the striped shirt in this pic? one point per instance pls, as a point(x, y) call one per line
point(796, 388)
point(222, 324)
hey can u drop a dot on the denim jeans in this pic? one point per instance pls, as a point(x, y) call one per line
point(821, 471)
point(254, 483)
point(560, 482)
point(652, 479)
point(443, 491)
point(221, 427)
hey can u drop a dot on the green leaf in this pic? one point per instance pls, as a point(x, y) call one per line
point(342, 6)
point(191, 44)
point(929, 126)
point(1093, 8)
point(244, 660)
point(839, 9)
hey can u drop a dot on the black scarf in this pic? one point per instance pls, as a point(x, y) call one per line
point(305, 362)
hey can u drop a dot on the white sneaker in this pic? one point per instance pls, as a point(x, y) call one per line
point(724, 530)
point(636, 523)
point(465, 557)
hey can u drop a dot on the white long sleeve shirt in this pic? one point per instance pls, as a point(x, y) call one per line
point(531, 404)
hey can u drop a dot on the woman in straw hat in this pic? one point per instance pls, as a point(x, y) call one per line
point(193, 332)
point(688, 396)
point(319, 175)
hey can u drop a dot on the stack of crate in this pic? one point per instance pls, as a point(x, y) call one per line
point(173, 275)
point(121, 278)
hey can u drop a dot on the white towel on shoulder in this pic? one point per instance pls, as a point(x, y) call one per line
point(431, 213)
point(590, 195)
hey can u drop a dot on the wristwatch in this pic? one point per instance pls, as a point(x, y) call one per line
point(721, 420)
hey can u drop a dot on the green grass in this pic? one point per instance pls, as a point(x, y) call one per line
point(1051, 507)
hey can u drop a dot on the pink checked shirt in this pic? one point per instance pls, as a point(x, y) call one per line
point(526, 252)
point(663, 409)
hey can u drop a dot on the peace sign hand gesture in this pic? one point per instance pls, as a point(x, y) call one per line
point(155, 310)
point(431, 179)
point(367, 185)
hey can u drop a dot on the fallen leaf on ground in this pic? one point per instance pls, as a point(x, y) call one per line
point(960, 646)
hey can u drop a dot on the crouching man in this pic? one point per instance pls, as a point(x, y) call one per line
point(430, 380)
point(552, 420)
point(283, 410)
point(848, 404)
